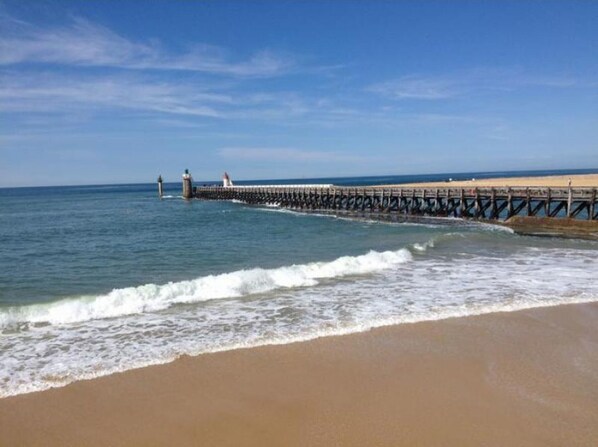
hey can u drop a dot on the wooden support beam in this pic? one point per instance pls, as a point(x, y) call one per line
point(580, 207)
point(537, 208)
point(493, 212)
point(561, 204)
point(519, 207)
point(569, 200)
point(510, 204)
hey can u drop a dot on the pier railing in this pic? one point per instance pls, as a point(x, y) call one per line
point(478, 203)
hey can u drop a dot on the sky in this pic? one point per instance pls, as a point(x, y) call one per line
point(95, 92)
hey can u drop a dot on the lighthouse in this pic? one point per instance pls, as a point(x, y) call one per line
point(226, 181)
point(160, 187)
point(187, 185)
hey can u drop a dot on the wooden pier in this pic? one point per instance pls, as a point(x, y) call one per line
point(475, 203)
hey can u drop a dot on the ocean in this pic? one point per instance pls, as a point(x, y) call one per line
point(100, 279)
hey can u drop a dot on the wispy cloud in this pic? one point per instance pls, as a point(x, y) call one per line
point(412, 87)
point(51, 98)
point(45, 72)
point(284, 154)
point(421, 87)
point(57, 94)
point(83, 43)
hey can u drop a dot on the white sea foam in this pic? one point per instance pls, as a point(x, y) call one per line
point(423, 247)
point(439, 282)
point(152, 297)
point(493, 227)
point(52, 375)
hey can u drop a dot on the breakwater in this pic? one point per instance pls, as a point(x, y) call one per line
point(476, 203)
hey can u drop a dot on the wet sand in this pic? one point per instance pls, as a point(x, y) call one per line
point(527, 378)
point(546, 226)
point(555, 181)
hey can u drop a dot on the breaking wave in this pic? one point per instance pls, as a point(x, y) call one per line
point(153, 297)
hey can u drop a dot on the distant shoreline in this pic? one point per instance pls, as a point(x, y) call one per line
point(562, 181)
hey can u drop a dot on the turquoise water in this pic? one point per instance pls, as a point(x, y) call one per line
point(100, 279)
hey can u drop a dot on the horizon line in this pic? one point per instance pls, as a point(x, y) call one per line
point(586, 171)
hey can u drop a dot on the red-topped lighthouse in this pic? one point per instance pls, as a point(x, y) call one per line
point(226, 181)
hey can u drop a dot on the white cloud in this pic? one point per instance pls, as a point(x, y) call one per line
point(83, 43)
point(411, 87)
point(46, 101)
point(469, 82)
point(51, 98)
point(60, 94)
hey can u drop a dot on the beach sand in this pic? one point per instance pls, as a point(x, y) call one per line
point(585, 180)
point(526, 378)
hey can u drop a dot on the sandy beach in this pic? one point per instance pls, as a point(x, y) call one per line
point(298, 224)
point(526, 378)
point(585, 180)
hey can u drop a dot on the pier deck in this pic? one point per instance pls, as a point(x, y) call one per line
point(487, 203)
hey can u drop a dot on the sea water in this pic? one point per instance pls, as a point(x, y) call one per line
point(100, 279)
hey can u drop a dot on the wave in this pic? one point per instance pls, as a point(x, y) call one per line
point(49, 381)
point(153, 298)
point(432, 242)
point(494, 227)
point(400, 292)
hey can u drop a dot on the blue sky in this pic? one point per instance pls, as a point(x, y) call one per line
point(118, 92)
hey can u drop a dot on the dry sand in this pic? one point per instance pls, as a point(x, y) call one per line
point(586, 180)
point(527, 378)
